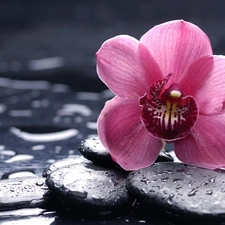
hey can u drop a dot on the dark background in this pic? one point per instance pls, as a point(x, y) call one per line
point(73, 30)
point(56, 41)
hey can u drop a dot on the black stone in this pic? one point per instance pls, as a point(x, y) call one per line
point(164, 157)
point(90, 188)
point(180, 189)
point(92, 149)
point(76, 159)
point(23, 193)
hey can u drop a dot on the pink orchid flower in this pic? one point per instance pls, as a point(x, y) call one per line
point(169, 87)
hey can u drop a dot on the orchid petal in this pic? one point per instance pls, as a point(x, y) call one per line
point(205, 80)
point(205, 146)
point(126, 67)
point(175, 45)
point(122, 133)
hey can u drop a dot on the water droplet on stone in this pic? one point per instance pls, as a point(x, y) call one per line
point(190, 184)
point(169, 202)
point(212, 180)
point(164, 179)
point(157, 186)
point(166, 172)
point(192, 192)
point(178, 187)
point(209, 192)
point(39, 183)
point(97, 198)
point(171, 196)
point(204, 183)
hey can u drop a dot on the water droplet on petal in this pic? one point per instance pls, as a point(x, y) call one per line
point(164, 179)
point(176, 180)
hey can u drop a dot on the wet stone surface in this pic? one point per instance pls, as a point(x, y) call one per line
point(180, 189)
point(76, 159)
point(24, 192)
point(92, 149)
point(86, 186)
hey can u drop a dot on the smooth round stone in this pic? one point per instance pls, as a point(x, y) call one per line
point(24, 192)
point(92, 149)
point(164, 157)
point(86, 186)
point(76, 159)
point(180, 189)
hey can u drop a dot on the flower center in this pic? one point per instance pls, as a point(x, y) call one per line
point(168, 114)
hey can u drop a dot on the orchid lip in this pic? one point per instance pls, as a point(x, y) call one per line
point(168, 116)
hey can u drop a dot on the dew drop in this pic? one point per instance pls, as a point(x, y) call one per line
point(192, 192)
point(178, 187)
point(209, 192)
point(164, 179)
point(39, 183)
point(145, 180)
point(167, 171)
point(204, 183)
point(97, 198)
point(190, 184)
point(212, 180)
point(157, 186)
point(171, 196)
point(169, 201)
point(176, 180)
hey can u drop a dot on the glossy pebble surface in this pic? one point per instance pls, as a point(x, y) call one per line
point(25, 192)
point(180, 190)
point(76, 159)
point(92, 149)
point(86, 186)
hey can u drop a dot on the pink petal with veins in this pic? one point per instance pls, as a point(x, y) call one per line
point(126, 67)
point(175, 45)
point(205, 80)
point(122, 133)
point(205, 146)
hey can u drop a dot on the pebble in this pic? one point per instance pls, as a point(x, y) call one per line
point(24, 192)
point(180, 189)
point(76, 159)
point(90, 188)
point(91, 148)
